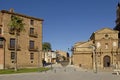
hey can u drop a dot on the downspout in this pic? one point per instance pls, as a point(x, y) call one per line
point(4, 52)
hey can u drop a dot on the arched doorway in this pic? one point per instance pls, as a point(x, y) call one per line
point(106, 61)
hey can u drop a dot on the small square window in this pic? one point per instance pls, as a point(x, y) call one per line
point(31, 56)
point(12, 55)
point(1, 43)
point(0, 31)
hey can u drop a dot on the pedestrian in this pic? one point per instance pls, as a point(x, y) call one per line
point(43, 62)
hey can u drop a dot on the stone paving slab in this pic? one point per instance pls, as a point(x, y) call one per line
point(60, 74)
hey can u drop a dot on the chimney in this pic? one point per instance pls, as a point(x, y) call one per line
point(11, 10)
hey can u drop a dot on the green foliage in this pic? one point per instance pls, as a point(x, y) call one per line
point(46, 46)
point(25, 70)
point(16, 24)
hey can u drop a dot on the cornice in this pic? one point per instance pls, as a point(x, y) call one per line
point(8, 12)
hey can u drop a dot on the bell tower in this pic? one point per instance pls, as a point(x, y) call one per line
point(117, 27)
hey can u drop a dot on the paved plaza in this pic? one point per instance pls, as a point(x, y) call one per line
point(62, 73)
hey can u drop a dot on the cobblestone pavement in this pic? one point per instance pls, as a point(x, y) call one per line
point(62, 73)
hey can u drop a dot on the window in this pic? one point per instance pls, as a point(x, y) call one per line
point(106, 45)
point(1, 43)
point(106, 35)
point(12, 55)
point(31, 56)
point(0, 31)
point(32, 22)
point(31, 30)
point(32, 33)
point(31, 44)
point(12, 43)
point(119, 44)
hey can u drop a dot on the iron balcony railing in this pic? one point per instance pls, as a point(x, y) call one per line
point(12, 47)
point(33, 34)
point(34, 48)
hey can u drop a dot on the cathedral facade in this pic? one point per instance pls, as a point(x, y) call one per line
point(101, 51)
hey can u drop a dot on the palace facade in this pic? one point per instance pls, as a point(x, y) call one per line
point(29, 42)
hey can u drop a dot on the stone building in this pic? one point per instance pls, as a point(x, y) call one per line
point(55, 56)
point(29, 42)
point(62, 55)
point(102, 50)
point(49, 56)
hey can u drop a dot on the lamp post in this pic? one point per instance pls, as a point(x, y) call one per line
point(70, 56)
point(38, 60)
point(51, 59)
point(39, 50)
point(94, 59)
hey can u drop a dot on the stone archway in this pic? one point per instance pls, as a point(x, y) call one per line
point(106, 61)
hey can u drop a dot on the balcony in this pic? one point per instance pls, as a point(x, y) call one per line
point(11, 31)
point(35, 48)
point(34, 34)
point(12, 47)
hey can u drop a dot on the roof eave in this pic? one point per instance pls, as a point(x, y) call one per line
point(5, 11)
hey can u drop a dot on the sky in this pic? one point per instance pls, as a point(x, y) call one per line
point(67, 21)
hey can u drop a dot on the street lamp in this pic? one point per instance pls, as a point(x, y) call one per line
point(39, 50)
point(70, 56)
point(51, 60)
point(38, 60)
point(94, 59)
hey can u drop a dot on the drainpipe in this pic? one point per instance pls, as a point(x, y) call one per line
point(4, 52)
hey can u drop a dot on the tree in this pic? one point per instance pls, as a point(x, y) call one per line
point(16, 26)
point(46, 46)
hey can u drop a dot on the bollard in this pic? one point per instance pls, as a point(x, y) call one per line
point(65, 70)
point(45, 71)
point(74, 69)
point(55, 71)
